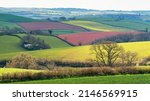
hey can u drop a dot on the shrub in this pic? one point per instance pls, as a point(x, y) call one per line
point(72, 72)
point(46, 64)
point(146, 61)
point(23, 60)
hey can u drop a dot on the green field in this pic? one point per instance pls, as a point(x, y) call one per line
point(13, 44)
point(57, 32)
point(82, 53)
point(50, 40)
point(10, 44)
point(8, 24)
point(126, 23)
point(95, 26)
point(14, 18)
point(118, 79)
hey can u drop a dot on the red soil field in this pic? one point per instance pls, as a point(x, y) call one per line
point(31, 26)
point(85, 38)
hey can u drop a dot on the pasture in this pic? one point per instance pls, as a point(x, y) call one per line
point(52, 41)
point(10, 44)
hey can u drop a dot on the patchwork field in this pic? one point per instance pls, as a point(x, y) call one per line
point(49, 26)
point(81, 53)
point(95, 26)
point(124, 23)
point(85, 38)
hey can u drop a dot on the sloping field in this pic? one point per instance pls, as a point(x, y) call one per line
point(82, 53)
point(95, 26)
point(126, 23)
point(8, 24)
point(13, 44)
point(85, 38)
point(10, 44)
point(14, 18)
point(52, 41)
point(49, 26)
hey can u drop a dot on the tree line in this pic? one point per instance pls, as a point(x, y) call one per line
point(125, 38)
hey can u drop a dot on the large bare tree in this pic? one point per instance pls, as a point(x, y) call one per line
point(106, 53)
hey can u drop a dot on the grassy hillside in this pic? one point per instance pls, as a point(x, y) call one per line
point(51, 41)
point(82, 53)
point(14, 18)
point(10, 44)
point(94, 25)
point(118, 79)
point(8, 24)
point(125, 23)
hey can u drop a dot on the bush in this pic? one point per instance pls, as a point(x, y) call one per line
point(72, 72)
point(146, 61)
point(25, 61)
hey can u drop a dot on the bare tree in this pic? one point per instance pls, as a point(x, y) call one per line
point(106, 53)
point(129, 58)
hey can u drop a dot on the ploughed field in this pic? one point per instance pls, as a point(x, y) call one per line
point(85, 38)
point(30, 26)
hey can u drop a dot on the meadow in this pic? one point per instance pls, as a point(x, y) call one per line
point(52, 41)
point(81, 53)
point(10, 44)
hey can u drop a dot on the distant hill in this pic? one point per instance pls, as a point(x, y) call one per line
point(14, 18)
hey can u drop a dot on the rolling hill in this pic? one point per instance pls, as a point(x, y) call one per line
point(14, 18)
point(8, 24)
point(10, 44)
point(123, 23)
point(13, 44)
point(52, 41)
point(82, 53)
point(91, 25)
point(86, 38)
